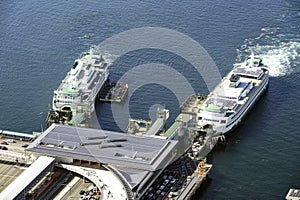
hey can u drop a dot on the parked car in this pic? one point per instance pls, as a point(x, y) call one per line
point(3, 148)
point(81, 192)
point(25, 145)
point(4, 142)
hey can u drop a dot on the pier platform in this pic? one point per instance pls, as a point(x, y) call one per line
point(116, 93)
point(191, 104)
point(146, 127)
point(195, 181)
point(138, 126)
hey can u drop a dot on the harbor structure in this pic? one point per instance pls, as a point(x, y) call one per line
point(135, 163)
point(116, 93)
point(17, 135)
point(141, 127)
point(139, 162)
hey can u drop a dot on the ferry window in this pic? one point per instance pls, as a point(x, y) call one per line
point(223, 121)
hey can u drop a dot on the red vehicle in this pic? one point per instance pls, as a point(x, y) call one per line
point(4, 142)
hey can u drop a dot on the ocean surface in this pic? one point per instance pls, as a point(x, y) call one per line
point(39, 41)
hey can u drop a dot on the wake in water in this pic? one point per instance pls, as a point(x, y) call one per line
point(280, 51)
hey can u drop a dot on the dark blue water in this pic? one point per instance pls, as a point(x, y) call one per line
point(39, 41)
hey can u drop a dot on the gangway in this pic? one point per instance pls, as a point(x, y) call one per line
point(158, 125)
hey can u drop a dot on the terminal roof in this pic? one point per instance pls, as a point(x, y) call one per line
point(147, 153)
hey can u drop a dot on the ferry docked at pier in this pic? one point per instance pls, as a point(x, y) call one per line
point(74, 99)
point(233, 97)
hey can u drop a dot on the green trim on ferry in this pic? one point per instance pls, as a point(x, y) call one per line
point(69, 91)
point(213, 108)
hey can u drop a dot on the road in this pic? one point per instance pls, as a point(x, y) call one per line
point(73, 193)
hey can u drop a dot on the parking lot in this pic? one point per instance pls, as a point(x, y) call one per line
point(17, 146)
point(9, 171)
point(172, 179)
point(76, 191)
point(14, 151)
point(82, 189)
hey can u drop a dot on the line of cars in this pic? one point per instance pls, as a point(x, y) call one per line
point(170, 182)
point(90, 194)
point(162, 186)
point(4, 143)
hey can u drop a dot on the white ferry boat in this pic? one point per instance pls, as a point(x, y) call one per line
point(234, 96)
point(74, 100)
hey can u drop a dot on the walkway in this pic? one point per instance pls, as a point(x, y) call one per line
point(110, 186)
